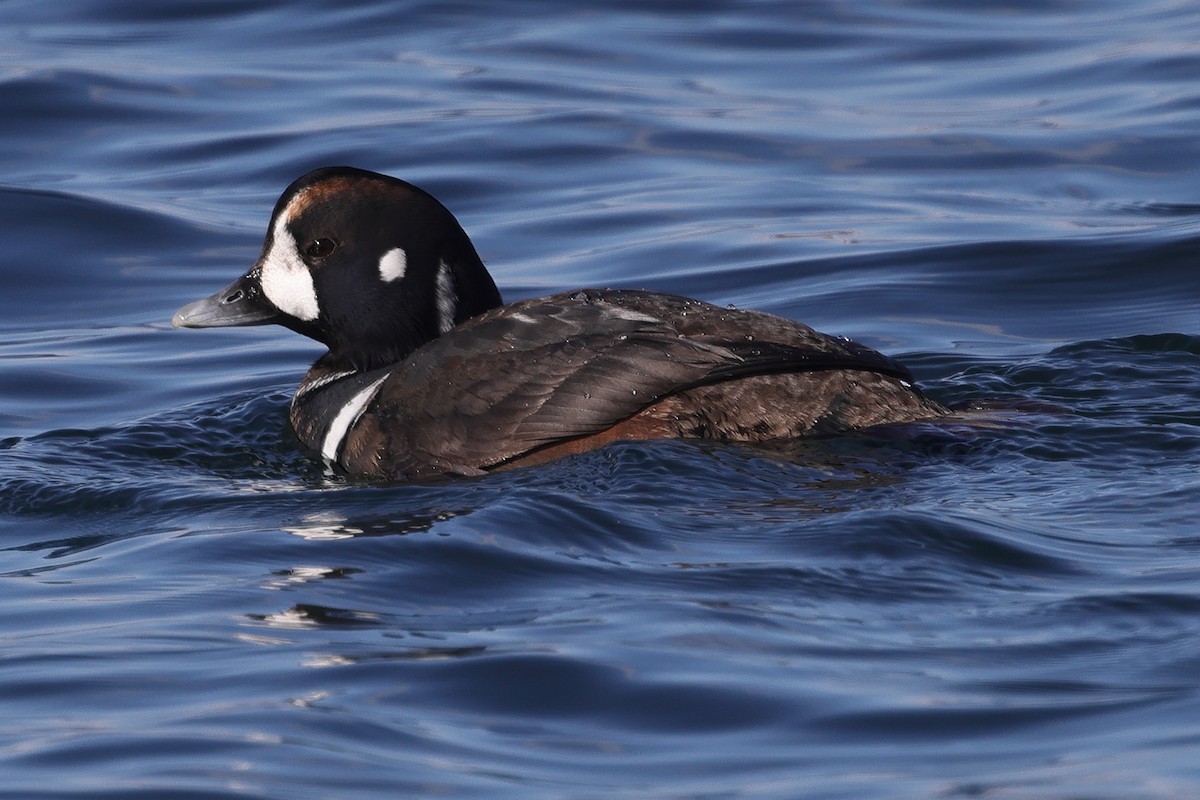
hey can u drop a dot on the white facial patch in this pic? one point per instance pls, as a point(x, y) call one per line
point(447, 297)
point(393, 264)
point(346, 417)
point(285, 278)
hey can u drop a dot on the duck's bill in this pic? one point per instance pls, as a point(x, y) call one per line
point(239, 303)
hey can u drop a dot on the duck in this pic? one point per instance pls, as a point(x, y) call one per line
point(427, 373)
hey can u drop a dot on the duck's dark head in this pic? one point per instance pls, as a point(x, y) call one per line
point(368, 265)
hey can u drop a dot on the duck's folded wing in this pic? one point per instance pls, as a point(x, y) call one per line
point(503, 385)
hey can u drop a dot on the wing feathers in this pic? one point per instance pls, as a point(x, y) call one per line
point(500, 385)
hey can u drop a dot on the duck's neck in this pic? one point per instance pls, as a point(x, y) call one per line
point(328, 403)
point(457, 289)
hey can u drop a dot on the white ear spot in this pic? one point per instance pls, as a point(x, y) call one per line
point(447, 297)
point(393, 264)
point(285, 278)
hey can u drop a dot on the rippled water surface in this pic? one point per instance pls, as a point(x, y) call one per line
point(1003, 195)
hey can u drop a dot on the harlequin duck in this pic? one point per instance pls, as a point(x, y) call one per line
point(428, 374)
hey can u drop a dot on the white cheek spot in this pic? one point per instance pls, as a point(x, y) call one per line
point(393, 264)
point(285, 278)
point(521, 316)
point(447, 298)
point(346, 418)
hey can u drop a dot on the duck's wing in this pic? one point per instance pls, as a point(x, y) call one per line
point(553, 369)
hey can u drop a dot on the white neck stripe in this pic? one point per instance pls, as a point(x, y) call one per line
point(447, 299)
point(346, 417)
point(324, 380)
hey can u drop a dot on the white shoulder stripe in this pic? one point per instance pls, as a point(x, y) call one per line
point(346, 418)
point(630, 314)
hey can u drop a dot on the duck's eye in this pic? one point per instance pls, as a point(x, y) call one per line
point(320, 248)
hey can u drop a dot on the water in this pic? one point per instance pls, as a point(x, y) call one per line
point(1001, 194)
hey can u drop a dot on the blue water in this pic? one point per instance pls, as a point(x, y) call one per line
point(1003, 194)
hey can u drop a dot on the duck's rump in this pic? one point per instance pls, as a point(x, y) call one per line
point(761, 408)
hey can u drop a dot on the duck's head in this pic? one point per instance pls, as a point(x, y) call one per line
point(368, 265)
